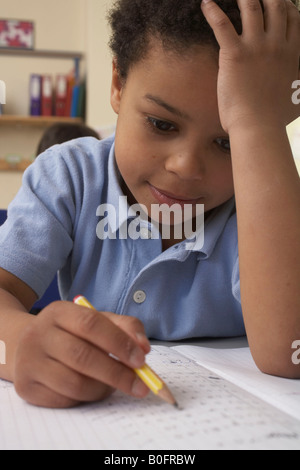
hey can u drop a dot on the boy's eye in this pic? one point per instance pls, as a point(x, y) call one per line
point(224, 144)
point(159, 125)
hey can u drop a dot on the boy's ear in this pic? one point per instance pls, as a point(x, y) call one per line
point(116, 89)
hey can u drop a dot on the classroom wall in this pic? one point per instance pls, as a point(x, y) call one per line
point(67, 25)
point(63, 25)
point(59, 25)
point(99, 112)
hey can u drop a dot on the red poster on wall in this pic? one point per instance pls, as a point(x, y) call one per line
point(16, 34)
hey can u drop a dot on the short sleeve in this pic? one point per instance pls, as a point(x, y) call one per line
point(36, 239)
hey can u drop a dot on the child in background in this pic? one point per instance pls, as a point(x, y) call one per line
point(63, 132)
point(203, 97)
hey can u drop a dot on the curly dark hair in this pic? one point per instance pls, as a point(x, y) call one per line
point(179, 24)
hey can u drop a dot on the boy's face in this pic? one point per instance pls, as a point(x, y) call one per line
point(170, 146)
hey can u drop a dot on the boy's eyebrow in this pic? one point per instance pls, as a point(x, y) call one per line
point(166, 106)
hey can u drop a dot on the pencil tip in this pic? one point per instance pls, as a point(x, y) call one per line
point(176, 405)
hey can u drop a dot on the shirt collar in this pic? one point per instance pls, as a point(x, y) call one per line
point(215, 225)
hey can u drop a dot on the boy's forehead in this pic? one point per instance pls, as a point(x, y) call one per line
point(165, 56)
point(163, 66)
point(184, 86)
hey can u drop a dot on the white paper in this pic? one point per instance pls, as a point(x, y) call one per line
point(237, 366)
point(214, 414)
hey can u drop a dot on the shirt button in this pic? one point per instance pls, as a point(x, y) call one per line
point(139, 297)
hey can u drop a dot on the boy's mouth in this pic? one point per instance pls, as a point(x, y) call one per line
point(164, 197)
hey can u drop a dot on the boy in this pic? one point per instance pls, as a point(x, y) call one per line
point(196, 125)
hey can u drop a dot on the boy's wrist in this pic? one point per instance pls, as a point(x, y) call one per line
point(257, 129)
point(260, 143)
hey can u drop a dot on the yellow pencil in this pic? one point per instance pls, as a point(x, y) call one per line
point(145, 373)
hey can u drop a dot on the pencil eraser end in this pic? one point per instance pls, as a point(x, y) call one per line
point(77, 298)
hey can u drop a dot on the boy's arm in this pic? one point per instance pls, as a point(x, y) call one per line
point(257, 70)
point(268, 209)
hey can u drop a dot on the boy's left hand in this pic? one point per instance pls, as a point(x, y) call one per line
point(257, 68)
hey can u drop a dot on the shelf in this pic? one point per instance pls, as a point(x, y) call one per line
point(36, 121)
point(40, 53)
point(19, 167)
point(28, 127)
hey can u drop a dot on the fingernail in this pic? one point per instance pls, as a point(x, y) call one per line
point(137, 358)
point(139, 389)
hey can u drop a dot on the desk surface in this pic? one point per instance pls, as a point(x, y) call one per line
point(215, 383)
point(218, 343)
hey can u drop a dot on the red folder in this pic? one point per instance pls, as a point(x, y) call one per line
point(47, 95)
point(61, 90)
point(70, 85)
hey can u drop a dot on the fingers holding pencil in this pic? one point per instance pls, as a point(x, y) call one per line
point(77, 354)
point(97, 341)
point(71, 358)
point(130, 344)
point(143, 371)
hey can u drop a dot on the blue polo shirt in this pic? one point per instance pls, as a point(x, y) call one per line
point(54, 225)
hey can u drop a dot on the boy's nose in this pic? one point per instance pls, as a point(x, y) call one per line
point(186, 165)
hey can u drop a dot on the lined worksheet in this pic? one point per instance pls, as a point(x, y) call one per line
point(237, 366)
point(214, 413)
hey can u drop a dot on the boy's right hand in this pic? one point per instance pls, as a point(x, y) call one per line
point(67, 355)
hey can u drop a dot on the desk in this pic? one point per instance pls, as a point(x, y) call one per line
point(219, 409)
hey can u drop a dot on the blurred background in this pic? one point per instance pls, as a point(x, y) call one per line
point(70, 39)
